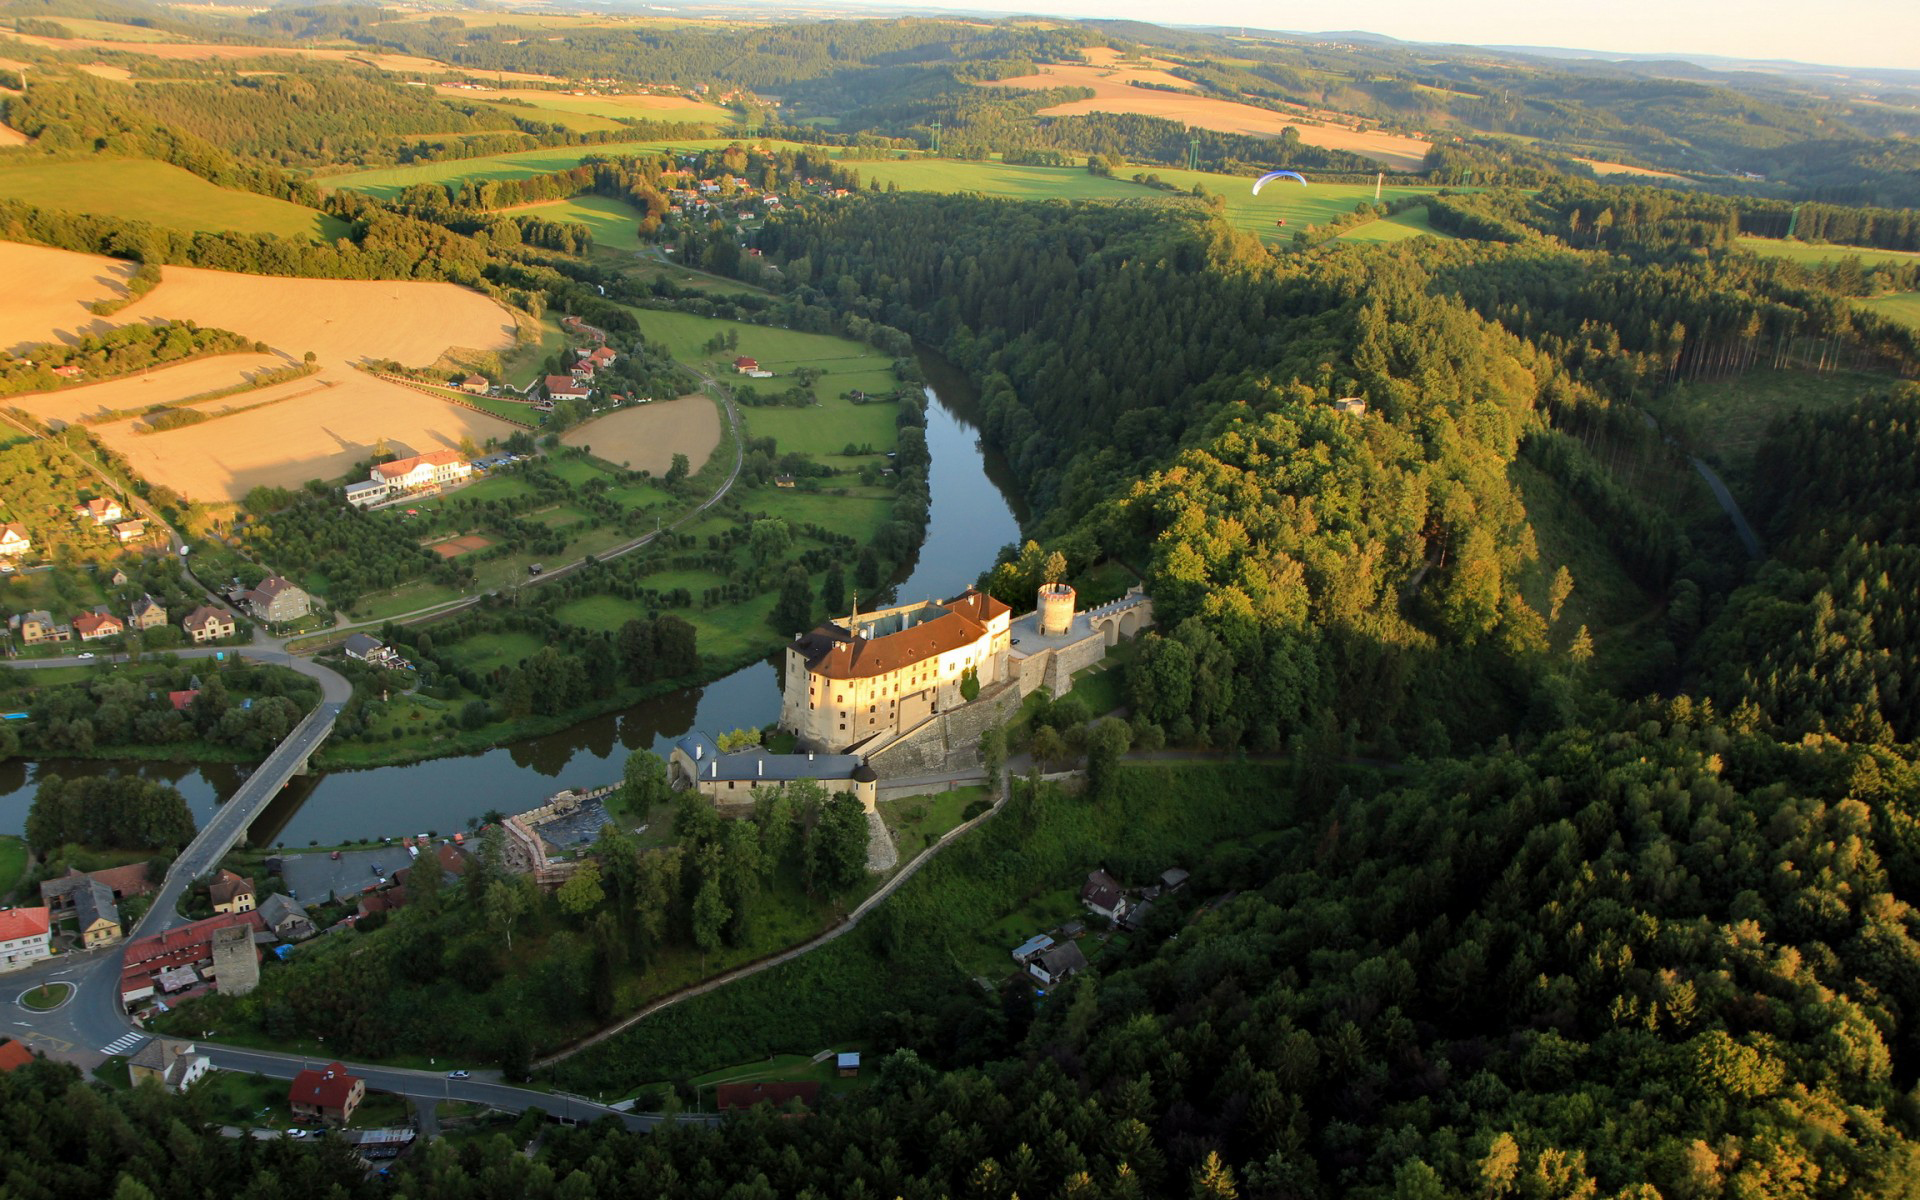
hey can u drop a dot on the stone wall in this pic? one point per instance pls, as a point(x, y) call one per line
point(951, 740)
point(1062, 663)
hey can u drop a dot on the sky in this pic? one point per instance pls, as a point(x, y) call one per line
point(1852, 33)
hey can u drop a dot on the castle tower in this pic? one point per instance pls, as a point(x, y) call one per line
point(1056, 608)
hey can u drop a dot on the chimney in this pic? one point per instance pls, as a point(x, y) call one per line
point(760, 767)
point(699, 752)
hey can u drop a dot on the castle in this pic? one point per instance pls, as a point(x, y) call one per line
point(863, 684)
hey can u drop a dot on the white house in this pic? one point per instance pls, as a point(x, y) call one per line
point(439, 468)
point(14, 540)
point(25, 936)
point(367, 492)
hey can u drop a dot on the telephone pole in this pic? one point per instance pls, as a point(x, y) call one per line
point(936, 139)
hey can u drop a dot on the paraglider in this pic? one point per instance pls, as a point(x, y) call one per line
point(1270, 176)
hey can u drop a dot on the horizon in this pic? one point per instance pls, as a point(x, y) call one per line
point(1717, 29)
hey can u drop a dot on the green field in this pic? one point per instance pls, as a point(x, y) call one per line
point(525, 363)
point(610, 108)
point(521, 164)
point(113, 31)
point(579, 122)
point(142, 190)
point(605, 613)
point(615, 226)
point(13, 862)
point(1728, 418)
point(1397, 228)
point(1810, 253)
point(1315, 204)
point(849, 365)
point(1903, 307)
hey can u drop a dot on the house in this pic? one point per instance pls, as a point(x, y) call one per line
point(847, 1064)
point(122, 882)
point(475, 384)
point(1174, 878)
point(1058, 964)
point(1030, 949)
point(169, 961)
point(279, 599)
point(439, 468)
point(231, 893)
point(1103, 896)
point(148, 613)
point(96, 916)
point(367, 492)
point(98, 624)
point(173, 1065)
point(183, 700)
point(383, 901)
point(734, 1097)
point(1136, 915)
point(207, 623)
point(565, 387)
point(38, 627)
point(129, 531)
point(696, 762)
point(286, 918)
point(14, 540)
point(102, 511)
point(13, 1056)
point(1353, 406)
point(236, 961)
point(70, 371)
point(26, 935)
point(329, 1094)
point(743, 364)
point(783, 481)
point(603, 356)
point(372, 650)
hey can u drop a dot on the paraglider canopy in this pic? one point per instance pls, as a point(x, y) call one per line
point(1270, 176)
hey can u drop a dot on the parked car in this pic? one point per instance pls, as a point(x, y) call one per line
point(336, 856)
point(457, 1075)
point(84, 654)
point(377, 870)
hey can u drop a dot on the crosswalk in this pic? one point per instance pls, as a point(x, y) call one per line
point(126, 1043)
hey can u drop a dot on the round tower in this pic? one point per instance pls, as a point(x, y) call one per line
point(1056, 608)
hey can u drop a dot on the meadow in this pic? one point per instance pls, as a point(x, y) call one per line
point(1903, 307)
point(1811, 253)
point(645, 437)
point(387, 182)
point(1401, 226)
point(557, 106)
point(143, 190)
point(615, 225)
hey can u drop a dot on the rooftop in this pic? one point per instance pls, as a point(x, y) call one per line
point(23, 923)
point(755, 765)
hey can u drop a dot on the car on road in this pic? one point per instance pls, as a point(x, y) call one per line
point(377, 870)
point(296, 1133)
point(458, 1075)
point(336, 856)
point(84, 654)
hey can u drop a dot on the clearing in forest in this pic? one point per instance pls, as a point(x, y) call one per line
point(48, 291)
point(387, 182)
point(615, 224)
point(143, 190)
point(645, 437)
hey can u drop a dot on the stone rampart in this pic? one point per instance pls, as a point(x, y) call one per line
point(949, 741)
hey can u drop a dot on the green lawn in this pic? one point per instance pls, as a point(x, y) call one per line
point(1809, 253)
point(917, 822)
point(485, 651)
point(615, 225)
point(1903, 307)
point(1398, 228)
point(47, 996)
point(521, 164)
point(861, 516)
point(996, 179)
point(140, 189)
point(604, 613)
point(13, 862)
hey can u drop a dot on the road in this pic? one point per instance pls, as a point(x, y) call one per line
point(1748, 538)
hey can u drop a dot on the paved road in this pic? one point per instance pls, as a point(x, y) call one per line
point(1740, 527)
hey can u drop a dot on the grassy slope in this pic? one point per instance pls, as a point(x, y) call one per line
point(1400, 227)
point(1903, 307)
point(615, 226)
point(647, 108)
point(144, 190)
point(13, 863)
point(1727, 419)
point(1807, 253)
point(389, 181)
point(1013, 876)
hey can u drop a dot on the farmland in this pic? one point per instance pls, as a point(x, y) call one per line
point(1412, 223)
point(94, 401)
point(143, 190)
point(1903, 307)
point(645, 437)
point(556, 106)
point(1811, 253)
point(615, 225)
point(48, 291)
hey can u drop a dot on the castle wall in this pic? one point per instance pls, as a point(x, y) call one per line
point(950, 741)
point(1064, 662)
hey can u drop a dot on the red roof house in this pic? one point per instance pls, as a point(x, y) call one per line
point(13, 1056)
point(329, 1094)
point(180, 700)
point(743, 363)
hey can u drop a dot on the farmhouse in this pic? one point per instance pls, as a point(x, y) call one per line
point(279, 599)
point(102, 511)
point(96, 916)
point(120, 882)
point(697, 763)
point(231, 893)
point(565, 387)
point(367, 492)
point(14, 540)
point(888, 671)
point(207, 623)
point(743, 364)
point(475, 384)
point(373, 651)
point(24, 937)
point(436, 469)
point(129, 531)
point(148, 613)
point(38, 627)
point(98, 624)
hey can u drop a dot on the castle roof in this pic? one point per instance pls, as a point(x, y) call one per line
point(833, 651)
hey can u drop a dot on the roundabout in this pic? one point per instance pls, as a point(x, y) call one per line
point(47, 997)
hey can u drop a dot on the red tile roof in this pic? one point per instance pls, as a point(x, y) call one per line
point(22, 923)
point(94, 624)
point(835, 653)
point(729, 1096)
point(180, 700)
point(179, 947)
point(13, 1056)
point(322, 1089)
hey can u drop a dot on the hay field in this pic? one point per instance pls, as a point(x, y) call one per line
point(48, 290)
point(1603, 168)
point(168, 384)
point(221, 52)
point(1400, 227)
point(144, 190)
point(312, 428)
point(1113, 94)
point(645, 437)
point(654, 108)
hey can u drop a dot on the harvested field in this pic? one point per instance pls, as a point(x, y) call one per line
point(9, 136)
point(1113, 93)
point(69, 405)
point(312, 428)
point(656, 108)
point(455, 547)
point(1604, 168)
point(48, 291)
point(208, 51)
point(103, 71)
point(647, 436)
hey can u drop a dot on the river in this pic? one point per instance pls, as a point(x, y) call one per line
point(971, 518)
